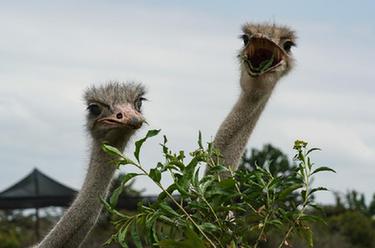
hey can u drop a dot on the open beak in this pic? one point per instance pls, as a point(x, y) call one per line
point(262, 55)
point(124, 117)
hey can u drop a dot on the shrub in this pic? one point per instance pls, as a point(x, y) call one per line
point(239, 209)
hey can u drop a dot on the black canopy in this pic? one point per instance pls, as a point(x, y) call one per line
point(36, 190)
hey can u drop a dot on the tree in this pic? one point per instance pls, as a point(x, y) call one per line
point(371, 208)
point(269, 156)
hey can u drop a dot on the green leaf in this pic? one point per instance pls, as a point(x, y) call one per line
point(125, 161)
point(182, 189)
point(169, 243)
point(110, 240)
point(308, 236)
point(112, 150)
point(181, 155)
point(317, 189)
point(205, 184)
point(323, 168)
point(228, 183)
point(170, 190)
point(121, 237)
point(266, 64)
point(117, 192)
point(127, 177)
point(154, 233)
point(200, 140)
point(286, 192)
point(192, 241)
point(115, 195)
point(311, 218)
point(232, 244)
point(217, 169)
point(155, 175)
point(168, 209)
point(135, 236)
point(139, 143)
point(164, 145)
point(107, 206)
point(304, 195)
point(209, 227)
point(195, 178)
point(312, 149)
point(276, 223)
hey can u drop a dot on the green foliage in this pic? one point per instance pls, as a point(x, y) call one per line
point(351, 201)
point(122, 186)
point(16, 229)
point(268, 157)
point(356, 201)
point(9, 238)
point(356, 227)
point(371, 207)
point(238, 210)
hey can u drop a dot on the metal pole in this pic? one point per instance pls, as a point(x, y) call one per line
point(37, 233)
point(36, 182)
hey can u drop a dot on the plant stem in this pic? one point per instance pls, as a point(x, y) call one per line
point(306, 177)
point(187, 214)
point(239, 191)
point(179, 206)
point(262, 231)
point(286, 236)
point(270, 212)
point(212, 211)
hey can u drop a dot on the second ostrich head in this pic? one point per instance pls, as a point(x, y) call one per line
point(266, 54)
point(114, 111)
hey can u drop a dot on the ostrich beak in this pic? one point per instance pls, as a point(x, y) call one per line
point(262, 55)
point(123, 116)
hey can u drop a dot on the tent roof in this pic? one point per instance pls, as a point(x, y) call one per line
point(34, 191)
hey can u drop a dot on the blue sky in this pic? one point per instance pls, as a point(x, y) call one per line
point(185, 53)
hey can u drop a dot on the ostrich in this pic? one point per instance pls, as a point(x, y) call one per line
point(113, 115)
point(265, 58)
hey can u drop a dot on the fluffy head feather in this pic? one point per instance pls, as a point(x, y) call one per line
point(114, 110)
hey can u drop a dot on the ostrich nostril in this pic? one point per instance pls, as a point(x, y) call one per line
point(119, 116)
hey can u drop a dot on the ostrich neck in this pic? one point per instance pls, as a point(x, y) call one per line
point(99, 174)
point(79, 219)
point(236, 129)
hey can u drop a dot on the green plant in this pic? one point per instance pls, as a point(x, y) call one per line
point(355, 226)
point(238, 210)
point(269, 156)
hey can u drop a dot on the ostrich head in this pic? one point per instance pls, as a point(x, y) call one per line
point(266, 53)
point(114, 111)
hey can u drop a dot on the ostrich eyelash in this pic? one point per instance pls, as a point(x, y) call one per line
point(94, 109)
point(138, 103)
point(245, 38)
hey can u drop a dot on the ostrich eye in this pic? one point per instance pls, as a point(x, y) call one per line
point(94, 109)
point(245, 39)
point(138, 103)
point(288, 45)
